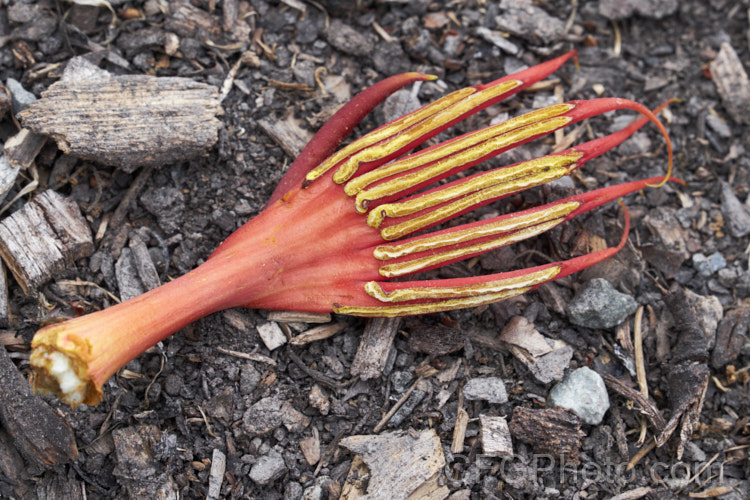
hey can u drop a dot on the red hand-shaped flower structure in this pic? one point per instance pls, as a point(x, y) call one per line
point(339, 226)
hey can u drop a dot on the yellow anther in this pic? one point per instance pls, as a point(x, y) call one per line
point(411, 162)
point(525, 281)
point(550, 165)
point(454, 297)
point(516, 223)
point(432, 122)
point(416, 265)
point(389, 130)
point(427, 307)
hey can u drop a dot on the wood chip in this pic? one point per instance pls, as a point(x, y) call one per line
point(22, 148)
point(374, 347)
point(459, 431)
point(272, 335)
point(298, 317)
point(399, 466)
point(495, 436)
point(216, 476)
point(641, 404)
point(732, 83)
point(190, 21)
point(287, 133)
point(318, 333)
point(634, 494)
point(318, 400)
point(4, 308)
point(137, 469)
point(556, 431)
point(128, 121)
point(310, 447)
point(46, 236)
point(8, 175)
point(12, 468)
point(53, 486)
point(437, 340)
point(39, 433)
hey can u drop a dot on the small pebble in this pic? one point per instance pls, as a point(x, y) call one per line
point(598, 305)
point(582, 391)
point(268, 469)
point(701, 264)
point(20, 97)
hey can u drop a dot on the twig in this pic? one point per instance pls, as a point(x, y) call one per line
point(249, 356)
point(314, 374)
point(395, 408)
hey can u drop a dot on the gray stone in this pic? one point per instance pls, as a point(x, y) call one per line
point(583, 391)
point(693, 453)
point(348, 40)
point(735, 213)
point(490, 389)
point(717, 262)
point(293, 491)
point(598, 305)
point(268, 468)
point(525, 20)
point(398, 104)
point(621, 9)
point(498, 40)
point(701, 264)
point(20, 97)
point(718, 125)
point(249, 379)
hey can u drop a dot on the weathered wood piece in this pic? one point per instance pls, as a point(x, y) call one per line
point(128, 121)
point(4, 308)
point(46, 236)
point(143, 475)
point(459, 431)
point(218, 467)
point(317, 333)
point(400, 467)
point(374, 347)
point(14, 478)
point(437, 340)
point(556, 431)
point(732, 83)
point(54, 486)
point(732, 334)
point(8, 175)
point(21, 150)
point(39, 433)
point(287, 133)
point(4, 103)
point(310, 447)
point(645, 406)
point(545, 358)
point(298, 316)
point(495, 436)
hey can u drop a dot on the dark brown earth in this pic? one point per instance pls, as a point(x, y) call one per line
point(157, 429)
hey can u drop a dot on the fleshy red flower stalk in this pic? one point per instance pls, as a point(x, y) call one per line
point(342, 224)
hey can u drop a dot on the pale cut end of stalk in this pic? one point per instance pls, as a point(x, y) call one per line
point(60, 368)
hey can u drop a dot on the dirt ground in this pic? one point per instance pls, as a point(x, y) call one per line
point(161, 421)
